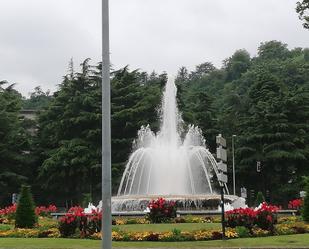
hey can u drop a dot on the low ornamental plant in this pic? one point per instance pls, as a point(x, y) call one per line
point(295, 204)
point(245, 217)
point(45, 210)
point(264, 217)
point(161, 211)
point(8, 212)
point(76, 221)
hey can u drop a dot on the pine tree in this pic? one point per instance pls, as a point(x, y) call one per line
point(25, 215)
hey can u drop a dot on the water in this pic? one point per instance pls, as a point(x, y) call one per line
point(171, 162)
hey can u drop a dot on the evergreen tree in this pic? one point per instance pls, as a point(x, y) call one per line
point(25, 215)
point(14, 140)
point(70, 138)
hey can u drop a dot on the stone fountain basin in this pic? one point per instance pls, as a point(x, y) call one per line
point(183, 202)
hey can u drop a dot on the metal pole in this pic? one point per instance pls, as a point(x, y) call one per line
point(234, 178)
point(106, 132)
point(222, 212)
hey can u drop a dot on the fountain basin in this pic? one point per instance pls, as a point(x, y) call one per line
point(183, 202)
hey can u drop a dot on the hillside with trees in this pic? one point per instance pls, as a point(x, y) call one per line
point(262, 99)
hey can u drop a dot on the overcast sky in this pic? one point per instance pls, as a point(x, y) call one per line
point(38, 37)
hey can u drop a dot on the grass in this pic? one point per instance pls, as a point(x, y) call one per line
point(165, 227)
point(5, 227)
point(287, 241)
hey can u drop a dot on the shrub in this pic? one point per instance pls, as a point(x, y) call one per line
point(242, 232)
point(295, 204)
point(305, 210)
point(68, 225)
point(245, 217)
point(266, 216)
point(8, 212)
point(77, 221)
point(25, 215)
point(45, 211)
point(161, 210)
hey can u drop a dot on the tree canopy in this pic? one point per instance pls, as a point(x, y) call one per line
point(263, 100)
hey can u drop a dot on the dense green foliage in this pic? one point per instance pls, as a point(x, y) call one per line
point(25, 215)
point(264, 100)
point(14, 141)
point(38, 99)
point(305, 209)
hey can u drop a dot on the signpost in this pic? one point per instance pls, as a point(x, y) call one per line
point(243, 192)
point(258, 166)
point(14, 198)
point(222, 177)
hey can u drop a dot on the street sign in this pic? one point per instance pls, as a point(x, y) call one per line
point(14, 198)
point(220, 140)
point(258, 166)
point(222, 177)
point(222, 166)
point(221, 154)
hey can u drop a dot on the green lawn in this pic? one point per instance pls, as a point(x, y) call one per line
point(301, 240)
point(166, 227)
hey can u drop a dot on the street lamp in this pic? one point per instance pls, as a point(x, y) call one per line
point(233, 152)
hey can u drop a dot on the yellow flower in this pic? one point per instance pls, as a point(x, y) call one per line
point(165, 236)
point(120, 222)
point(203, 235)
point(258, 232)
point(96, 236)
point(231, 233)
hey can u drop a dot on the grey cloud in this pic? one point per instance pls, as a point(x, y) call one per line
point(38, 37)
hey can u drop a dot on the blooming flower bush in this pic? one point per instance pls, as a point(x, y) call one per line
point(263, 217)
point(295, 204)
point(45, 210)
point(8, 212)
point(76, 221)
point(161, 210)
point(266, 216)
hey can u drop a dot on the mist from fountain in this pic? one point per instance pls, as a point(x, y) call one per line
point(165, 164)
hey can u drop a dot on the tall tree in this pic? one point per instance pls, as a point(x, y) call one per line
point(13, 143)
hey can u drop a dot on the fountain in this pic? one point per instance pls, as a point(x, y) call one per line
point(170, 164)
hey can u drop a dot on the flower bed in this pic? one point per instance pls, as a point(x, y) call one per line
point(47, 228)
point(264, 217)
point(7, 214)
point(175, 235)
point(242, 223)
